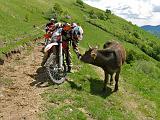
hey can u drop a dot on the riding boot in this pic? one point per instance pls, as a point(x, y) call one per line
point(68, 59)
point(69, 69)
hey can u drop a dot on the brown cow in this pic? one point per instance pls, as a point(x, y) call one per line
point(110, 59)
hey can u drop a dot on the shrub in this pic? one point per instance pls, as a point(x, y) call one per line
point(136, 35)
point(147, 49)
point(131, 56)
point(80, 2)
point(127, 28)
point(158, 57)
point(92, 14)
point(108, 11)
point(102, 16)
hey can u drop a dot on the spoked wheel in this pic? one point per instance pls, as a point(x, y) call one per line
point(56, 74)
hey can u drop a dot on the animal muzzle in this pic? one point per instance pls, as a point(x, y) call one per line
point(82, 58)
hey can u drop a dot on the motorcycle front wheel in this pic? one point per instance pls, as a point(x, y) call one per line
point(56, 74)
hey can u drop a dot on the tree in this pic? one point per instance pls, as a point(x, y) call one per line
point(108, 11)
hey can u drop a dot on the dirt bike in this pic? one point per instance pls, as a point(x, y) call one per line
point(54, 64)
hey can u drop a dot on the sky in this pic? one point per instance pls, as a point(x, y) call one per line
point(139, 12)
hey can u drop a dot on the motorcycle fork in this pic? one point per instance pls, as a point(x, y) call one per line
point(60, 54)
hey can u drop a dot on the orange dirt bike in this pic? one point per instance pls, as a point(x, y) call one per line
point(55, 64)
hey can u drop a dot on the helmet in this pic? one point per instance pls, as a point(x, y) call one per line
point(73, 25)
point(58, 25)
point(52, 19)
point(77, 33)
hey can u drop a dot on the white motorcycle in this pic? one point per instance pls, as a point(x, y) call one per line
point(54, 64)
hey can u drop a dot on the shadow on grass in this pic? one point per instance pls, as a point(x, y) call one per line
point(96, 88)
point(74, 85)
point(41, 78)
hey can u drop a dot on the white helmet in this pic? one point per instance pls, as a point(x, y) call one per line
point(77, 32)
point(74, 25)
point(58, 25)
point(52, 19)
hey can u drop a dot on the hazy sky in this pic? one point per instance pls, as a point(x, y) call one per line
point(140, 12)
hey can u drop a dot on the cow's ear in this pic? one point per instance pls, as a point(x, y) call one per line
point(89, 47)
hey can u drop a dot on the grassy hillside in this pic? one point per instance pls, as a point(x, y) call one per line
point(81, 97)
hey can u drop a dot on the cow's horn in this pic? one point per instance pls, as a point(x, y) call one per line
point(89, 46)
point(97, 46)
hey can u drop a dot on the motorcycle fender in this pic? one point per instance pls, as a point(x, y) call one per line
point(49, 46)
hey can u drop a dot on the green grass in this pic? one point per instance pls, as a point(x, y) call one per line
point(84, 92)
point(5, 81)
point(81, 97)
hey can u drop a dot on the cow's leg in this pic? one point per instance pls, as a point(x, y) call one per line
point(111, 79)
point(105, 80)
point(116, 80)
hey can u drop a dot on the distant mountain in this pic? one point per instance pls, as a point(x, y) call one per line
point(152, 29)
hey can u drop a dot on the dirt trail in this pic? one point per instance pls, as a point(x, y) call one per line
point(21, 99)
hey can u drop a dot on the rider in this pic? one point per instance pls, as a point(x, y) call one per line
point(49, 30)
point(50, 25)
point(69, 35)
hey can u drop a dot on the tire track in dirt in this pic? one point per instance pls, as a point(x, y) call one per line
point(21, 100)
